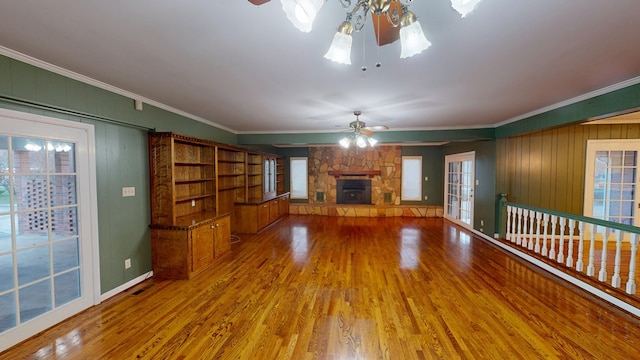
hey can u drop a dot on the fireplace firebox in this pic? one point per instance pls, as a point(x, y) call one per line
point(353, 191)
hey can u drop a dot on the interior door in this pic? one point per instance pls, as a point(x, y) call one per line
point(459, 180)
point(611, 181)
point(48, 224)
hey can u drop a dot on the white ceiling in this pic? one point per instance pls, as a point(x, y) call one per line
point(248, 69)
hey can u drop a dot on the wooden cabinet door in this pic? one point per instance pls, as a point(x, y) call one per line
point(222, 236)
point(274, 210)
point(283, 205)
point(263, 215)
point(202, 243)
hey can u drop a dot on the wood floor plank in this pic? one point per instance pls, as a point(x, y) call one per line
point(313, 287)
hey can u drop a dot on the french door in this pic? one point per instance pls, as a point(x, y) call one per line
point(48, 223)
point(612, 180)
point(458, 190)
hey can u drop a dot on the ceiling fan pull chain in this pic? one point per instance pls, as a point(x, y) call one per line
point(364, 54)
point(378, 63)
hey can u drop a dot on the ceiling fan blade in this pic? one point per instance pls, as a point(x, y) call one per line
point(259, 2)
point(367, 131)
point(386, 33)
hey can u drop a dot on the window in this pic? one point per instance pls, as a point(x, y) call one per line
point(299, 183)
point(411, 178)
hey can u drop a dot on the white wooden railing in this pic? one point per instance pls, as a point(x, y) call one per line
point(577, 242)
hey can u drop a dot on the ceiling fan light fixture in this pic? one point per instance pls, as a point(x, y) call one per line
point(372, 141)
point(361, 142)
point(340, 50)
point(464, 7)
point(412, 39)
point(301, 13)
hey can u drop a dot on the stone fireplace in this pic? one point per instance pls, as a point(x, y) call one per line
point(380, 167)
point(353, 191)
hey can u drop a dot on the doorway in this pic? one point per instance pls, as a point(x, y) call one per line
point(458, 190)
point(49, 265)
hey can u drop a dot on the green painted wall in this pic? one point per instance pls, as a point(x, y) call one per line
point(433, 168)
point(485, 175)
point(546, 168)
point(121, 155)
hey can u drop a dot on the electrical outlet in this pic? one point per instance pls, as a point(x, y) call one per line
point(193, 203)
point(481, 222)
point(426, 178)
point(127, 263)
point(426, 197)
point(128, 191)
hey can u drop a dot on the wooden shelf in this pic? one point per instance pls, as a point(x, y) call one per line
point(194, 197)
point(194, 181)
point(369, 173)
point(182, 163)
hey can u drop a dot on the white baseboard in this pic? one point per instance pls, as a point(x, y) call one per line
point(126, 286)
point(579, 283)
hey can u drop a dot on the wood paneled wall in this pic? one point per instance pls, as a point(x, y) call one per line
point(546, 168)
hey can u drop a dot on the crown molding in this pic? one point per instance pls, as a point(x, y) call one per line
point(99, 84)
point(579, 98)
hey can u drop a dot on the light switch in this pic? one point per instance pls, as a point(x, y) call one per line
point(128, 191)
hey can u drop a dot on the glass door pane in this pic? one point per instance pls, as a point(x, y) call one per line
point(39, 241)
point(611, 181)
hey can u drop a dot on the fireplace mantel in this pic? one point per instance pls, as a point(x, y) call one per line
point(369, 173)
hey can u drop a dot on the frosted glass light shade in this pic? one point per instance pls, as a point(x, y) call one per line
point(464, 6)
point(372, 142)
point(301, 13)
point(412, 40)
point(340, 50)
point(345, 142)
point(361, 142)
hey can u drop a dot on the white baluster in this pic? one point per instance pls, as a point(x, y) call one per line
point(579, 264)
point(544, 239)
point(519, 236)
point(536, 248)
point(552, 250)
point(561, 225)
point(615, 280)
point(531, 217)
point(602, 275)
point(631, 283)
point(525, 217)
point(591, 268)
point(509, 225)
point(572, 224)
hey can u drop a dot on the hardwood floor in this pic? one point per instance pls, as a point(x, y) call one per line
point(313, 287)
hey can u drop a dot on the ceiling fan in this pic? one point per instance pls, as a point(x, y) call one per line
point(384, 31)
point(362, 134)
